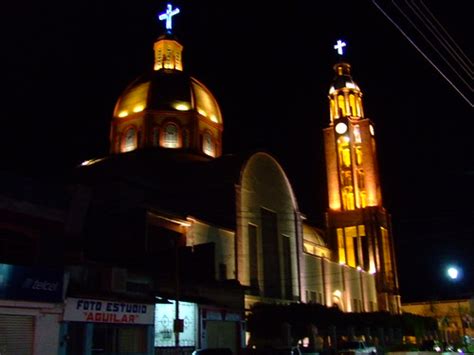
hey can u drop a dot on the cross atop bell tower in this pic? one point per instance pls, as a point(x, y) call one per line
point(168, 16)
point(339, 47)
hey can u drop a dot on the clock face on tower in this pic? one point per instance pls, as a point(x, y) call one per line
point(341, 128)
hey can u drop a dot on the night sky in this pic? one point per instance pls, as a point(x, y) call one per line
point(65, 63)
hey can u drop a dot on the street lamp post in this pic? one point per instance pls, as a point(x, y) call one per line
point(454, 274)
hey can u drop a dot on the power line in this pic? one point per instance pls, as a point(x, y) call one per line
point(427, 40)
point(423, 54)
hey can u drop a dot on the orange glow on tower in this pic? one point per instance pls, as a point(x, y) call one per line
point(359, 228)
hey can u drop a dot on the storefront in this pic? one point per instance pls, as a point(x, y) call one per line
point(165, 315)
point(30, 309)
point(93, 326)
point(201, 327)
point(221, 328)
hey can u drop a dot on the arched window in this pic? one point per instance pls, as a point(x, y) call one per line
point(208, 144)
point(344, 151)
point(129, 139)
point(171, 136)
point(332, 109)
point(352, 103)
point(341, 103)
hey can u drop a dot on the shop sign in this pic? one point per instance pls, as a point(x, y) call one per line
point(31, 284)
point(100, 311)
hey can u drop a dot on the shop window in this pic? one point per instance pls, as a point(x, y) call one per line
point(119, 338)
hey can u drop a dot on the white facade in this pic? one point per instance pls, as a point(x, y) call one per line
point(38, 324)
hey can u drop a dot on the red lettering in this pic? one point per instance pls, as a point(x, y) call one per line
point(90, 316)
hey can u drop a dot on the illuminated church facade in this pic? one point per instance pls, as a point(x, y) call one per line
point(168, 242)
point(263, 241)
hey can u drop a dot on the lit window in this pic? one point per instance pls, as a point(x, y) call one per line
point(344, 152)
point(208, 146)
point(181, 106)
point(129, 140)
point(348, 198)
point(340, 246)
point(351, 242)
point(341, 106)
point(360, 112)
point(171, 136)
point(356, 132)
point(358, 154)
point(332, 108)
point(352, 103)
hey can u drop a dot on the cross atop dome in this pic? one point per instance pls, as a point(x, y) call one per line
point(339, 47)
point(168, 16)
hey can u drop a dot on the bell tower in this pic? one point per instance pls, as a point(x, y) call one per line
point(359, 227)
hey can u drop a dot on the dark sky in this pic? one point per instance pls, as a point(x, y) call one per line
point(270, 66)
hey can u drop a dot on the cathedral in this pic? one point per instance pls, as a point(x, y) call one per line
point(178, 241)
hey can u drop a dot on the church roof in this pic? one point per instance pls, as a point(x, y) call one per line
point(169, 180)
point(314, 235)
point(168, 90)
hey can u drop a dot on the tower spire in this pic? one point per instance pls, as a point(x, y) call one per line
point(359, 227)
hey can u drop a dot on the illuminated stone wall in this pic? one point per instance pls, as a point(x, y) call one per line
point(200, 233)
point(265, 187)
point(332, 284)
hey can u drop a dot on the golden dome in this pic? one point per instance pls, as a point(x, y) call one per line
point(168, 90)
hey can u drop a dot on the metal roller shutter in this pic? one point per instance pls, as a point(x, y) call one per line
point(16, 335)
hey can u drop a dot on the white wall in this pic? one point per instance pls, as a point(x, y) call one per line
point(46, 323)
point(201, 232)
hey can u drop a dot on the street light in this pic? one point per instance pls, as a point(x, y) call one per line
point(453, 272)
